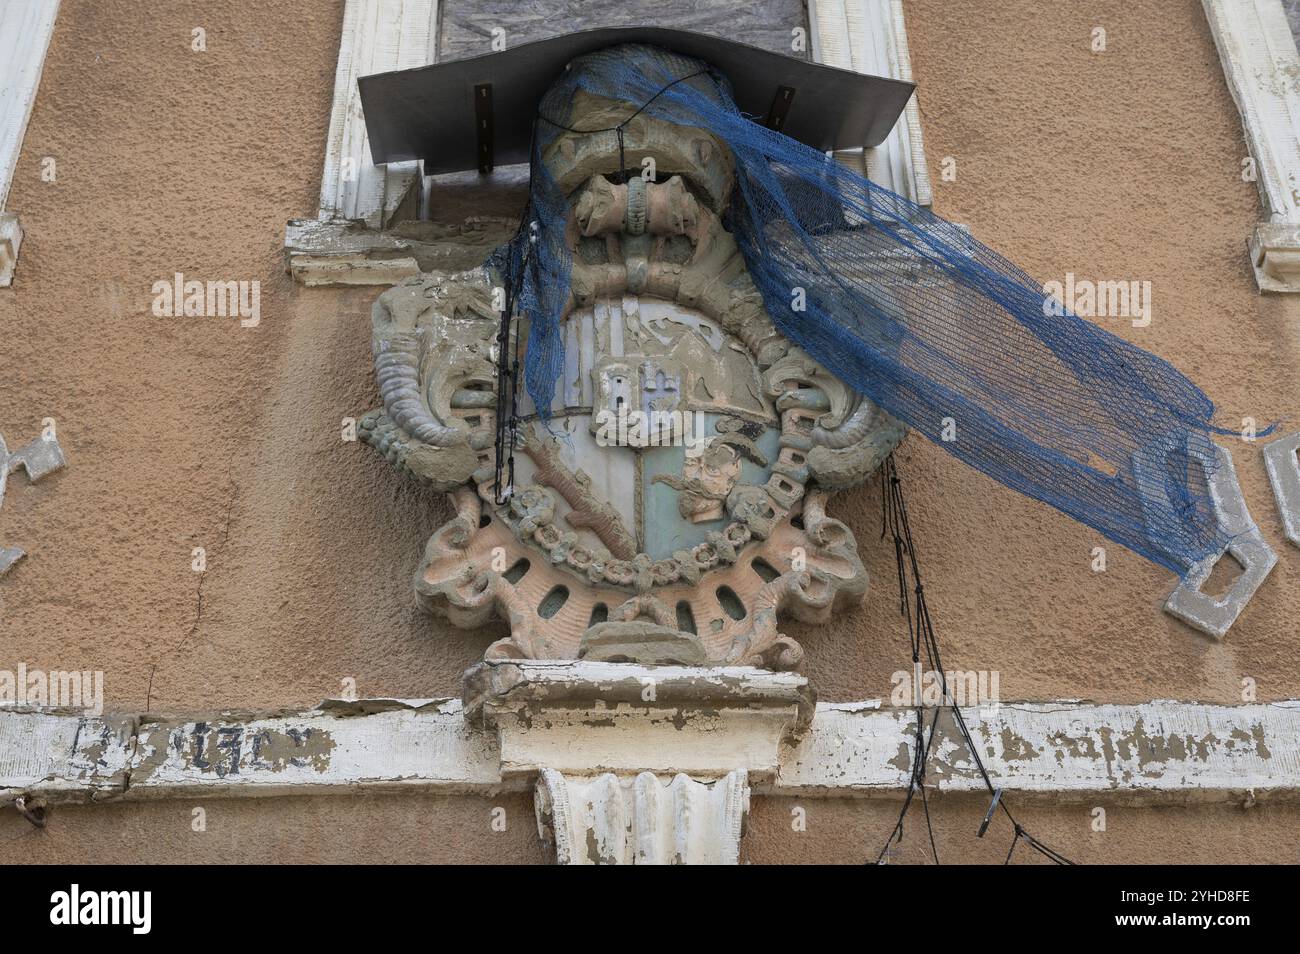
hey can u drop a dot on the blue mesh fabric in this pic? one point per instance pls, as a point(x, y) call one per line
point(909, 310)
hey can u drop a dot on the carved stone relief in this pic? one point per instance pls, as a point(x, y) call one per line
point(672, 505)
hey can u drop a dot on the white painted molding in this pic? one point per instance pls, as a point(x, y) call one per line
point(25, 30)
point(870, 36)
point(57, 755)
point(1173, 751)
point(1155, 751)
point(1263, 73)
point(378, 36)
point(1283, 466)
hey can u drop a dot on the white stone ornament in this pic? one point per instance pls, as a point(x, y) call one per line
point(639, 764)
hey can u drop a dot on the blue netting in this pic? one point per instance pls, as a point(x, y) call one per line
point(910, 311)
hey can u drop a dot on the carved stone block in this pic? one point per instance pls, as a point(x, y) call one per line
point(586, 718)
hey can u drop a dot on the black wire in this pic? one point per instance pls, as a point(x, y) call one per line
point(920, 629)
point(920, 757)
point(663, 89)
point(517, 262)
point(1014, 841)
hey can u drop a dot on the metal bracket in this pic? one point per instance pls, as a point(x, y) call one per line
point(40, 457)
point(780, 107)
point(483, 127)
point(1200, 610)
point(1283, 468)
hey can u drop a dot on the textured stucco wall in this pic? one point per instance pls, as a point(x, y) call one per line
point(195, 432)
point(397, 829)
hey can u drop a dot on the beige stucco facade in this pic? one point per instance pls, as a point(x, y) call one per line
point(195, 432)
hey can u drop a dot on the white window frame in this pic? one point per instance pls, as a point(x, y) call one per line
point(378, 36)
point(1263, 72)
point(870, 36)
point(25, 30)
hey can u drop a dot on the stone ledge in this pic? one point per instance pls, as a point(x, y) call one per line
point(1158, 751)
point(1262, 70)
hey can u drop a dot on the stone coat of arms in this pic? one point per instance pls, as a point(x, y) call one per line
point(671, 508)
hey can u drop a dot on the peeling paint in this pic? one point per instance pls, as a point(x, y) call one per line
point(1015, 747)
point(1153, 749)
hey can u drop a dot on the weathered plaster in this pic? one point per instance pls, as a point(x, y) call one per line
point(703, 723)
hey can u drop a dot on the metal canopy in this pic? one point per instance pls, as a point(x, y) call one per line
point(436, 113)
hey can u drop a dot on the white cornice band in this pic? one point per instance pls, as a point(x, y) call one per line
point(1159, 751)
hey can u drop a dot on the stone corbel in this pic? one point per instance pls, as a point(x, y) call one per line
point(639, 764)
point(1275, 255)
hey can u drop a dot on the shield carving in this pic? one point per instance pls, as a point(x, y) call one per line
point(664, 414)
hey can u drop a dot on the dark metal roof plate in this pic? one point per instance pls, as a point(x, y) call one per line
point(428, 113)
